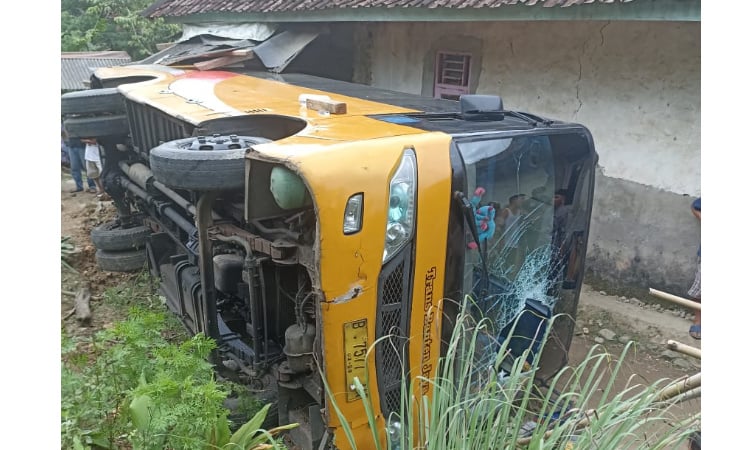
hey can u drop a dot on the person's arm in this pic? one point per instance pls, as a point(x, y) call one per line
point(501, 218)
point(695, 207)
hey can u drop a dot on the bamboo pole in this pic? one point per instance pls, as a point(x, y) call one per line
point(695, 306)
point(683, 390)
point(684, 349)
point(689, 395)
point(584, 422)
point(680, 387)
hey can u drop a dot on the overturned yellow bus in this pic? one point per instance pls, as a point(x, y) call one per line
point(299, 221)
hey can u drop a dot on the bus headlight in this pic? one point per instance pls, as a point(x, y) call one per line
point(401, 205)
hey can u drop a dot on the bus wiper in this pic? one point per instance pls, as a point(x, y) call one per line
point(468, 211)
point(530, 120)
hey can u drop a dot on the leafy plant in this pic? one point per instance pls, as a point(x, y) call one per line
point(251, 436)
point(177, 400)
point(129, 387)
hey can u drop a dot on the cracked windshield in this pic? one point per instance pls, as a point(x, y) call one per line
point(528, 195)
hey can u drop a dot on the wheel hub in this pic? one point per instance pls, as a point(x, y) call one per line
point(217, 142)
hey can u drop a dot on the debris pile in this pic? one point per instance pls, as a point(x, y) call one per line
point(207, 52)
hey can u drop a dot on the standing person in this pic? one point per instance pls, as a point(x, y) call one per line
point(508, 218)
point(562, 250)
point(695, 289)
point(94, 165)
point(560, 217)
point(76, 150)
point(64, 155)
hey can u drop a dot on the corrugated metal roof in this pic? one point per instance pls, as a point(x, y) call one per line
point(77, 67)
point(177, 8)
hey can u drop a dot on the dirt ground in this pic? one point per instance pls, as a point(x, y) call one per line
point(627, 319)
point(80, 212)
point(649, 361)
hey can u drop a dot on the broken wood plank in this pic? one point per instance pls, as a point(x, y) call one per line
point(241, 52)
point(675, 299)
point(188, 57)
point(220, 62)
point(82, 308)
point(330, 106)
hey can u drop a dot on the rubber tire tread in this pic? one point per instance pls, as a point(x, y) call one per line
point(93, 101)
point(98, 126)
point(110, 237)
point(122, 261)
point(201, 170)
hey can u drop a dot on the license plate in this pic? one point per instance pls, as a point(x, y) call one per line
point(355, 349)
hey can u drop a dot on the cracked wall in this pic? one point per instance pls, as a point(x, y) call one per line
point(635, 85)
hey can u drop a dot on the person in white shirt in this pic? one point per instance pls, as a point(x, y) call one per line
point(94, 165)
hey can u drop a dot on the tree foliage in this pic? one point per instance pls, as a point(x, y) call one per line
point(92, 25)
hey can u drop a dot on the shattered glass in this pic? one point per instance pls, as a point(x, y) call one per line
point(530, 200)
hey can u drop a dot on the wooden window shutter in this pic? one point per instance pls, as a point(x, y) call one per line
point(452, 74)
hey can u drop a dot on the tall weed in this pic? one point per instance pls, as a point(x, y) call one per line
point(476, 404)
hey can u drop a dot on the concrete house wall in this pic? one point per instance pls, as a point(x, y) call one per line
point(635, 85)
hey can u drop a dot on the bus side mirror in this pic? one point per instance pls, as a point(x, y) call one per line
point(480, 103)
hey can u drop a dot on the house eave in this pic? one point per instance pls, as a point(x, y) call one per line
point(650, 10)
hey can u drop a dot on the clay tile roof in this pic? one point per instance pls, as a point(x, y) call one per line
point(77, 67)
point(177, 8)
